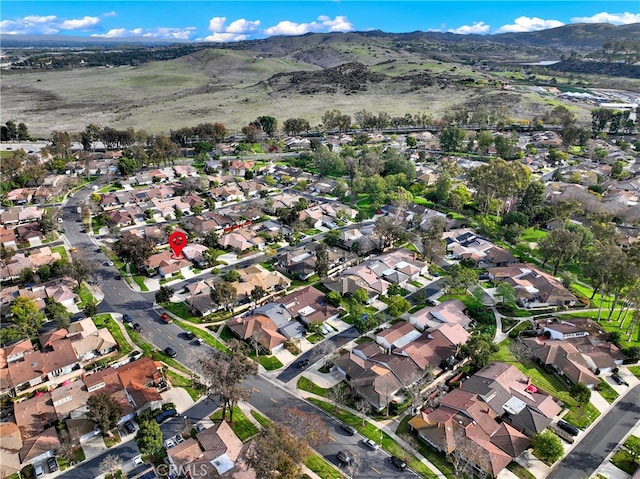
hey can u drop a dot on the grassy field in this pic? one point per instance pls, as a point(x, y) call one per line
point(309, 386)
point(606, 391)
point(241, 425)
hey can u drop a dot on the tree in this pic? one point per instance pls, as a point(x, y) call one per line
point(257, 293)
point(104, 411)
point(133, 249)
point(581, 393)
point(268, 124)
point(479, 348)
point(251, 133)
point(224, 294)
point(276, 454)
point(334, 298)
point(58, 313)
point(231, 276)
point(82, 267)
point(361, 296)
point(110, 464)
point(512, 232)
point(305, 426)
point(127, 166)
point(497, 180)
point(25, 316)
point(322, 260)
point(398, 306)
point(451, 138)
point(547, 446)
point(164, 294)
point(559, 246)
point(459, 278)
point(149, 437)
point(484, 139)
point(506, 293)
point(338, 394)
point(294, 126)
point(224, 374)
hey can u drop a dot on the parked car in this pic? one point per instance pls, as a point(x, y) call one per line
point(570, 428)
point(189, 335)
point(170, 352)
point(200, 427)
point(126, 318)
point(129, 427)
point(346, 457)
point(399, 463)
point(199, 341)
point(371, 444)
point(52, 464)
point(137, 328)
point(166, 318)
point(348, 428)
point(619, 380)
point(166, 414)
point(38, 470)
point(302, 364)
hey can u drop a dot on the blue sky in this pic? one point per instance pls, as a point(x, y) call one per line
point(226, 21)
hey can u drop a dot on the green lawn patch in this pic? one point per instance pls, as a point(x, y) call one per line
point(241, 425)
point(182, 311)
point(533, 235)
point(62, 250)
point(635, 370)
point(606, 391)
point(201, 334)
point(179, 381)
point(625, 461)
point(270, 363)
point(85, 296)
point(139, 280)
point(582, 417)
point(309, 386)
point(260, 418)
point(106, 321)
point(315, 338)
point(321, 467)
point(520, 471)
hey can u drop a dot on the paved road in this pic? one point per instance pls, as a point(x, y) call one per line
point(602, 439)
point(91, 469)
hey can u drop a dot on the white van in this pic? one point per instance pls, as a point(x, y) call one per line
point(38, 470)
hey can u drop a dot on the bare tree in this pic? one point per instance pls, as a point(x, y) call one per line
point(306, 426)
point(363, 408)
point(520, 350)
point(338, 394)
point(110, 464)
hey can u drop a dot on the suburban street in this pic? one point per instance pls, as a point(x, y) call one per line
point(601, 440)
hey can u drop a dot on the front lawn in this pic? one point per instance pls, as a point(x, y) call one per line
point(182, 311)
point(106, 321)
point(179, 381)
point(309, 386)
point(321, 467)
point(520, 471)
point(201, 334)
point(625, 461)
point(112, 440)
point(582, 417)
point(270, 363)
point(241, 426)
point(635, 370)
point(606, 391)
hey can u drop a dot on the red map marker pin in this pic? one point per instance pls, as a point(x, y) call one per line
point(177, 241)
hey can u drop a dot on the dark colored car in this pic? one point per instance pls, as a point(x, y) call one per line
point(126, 318)
point(137, 328)
point(170, 352)
point(348, 428)
point(129, 427)
point(52, 464)
point(302, 364)
point(619, 380)
point(117, 277)
point(189, 335)
point(166, 414)
point(570, 428)
point(345, 457)
point(399, 463)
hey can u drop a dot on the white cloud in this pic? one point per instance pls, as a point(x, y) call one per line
point(225, 37)
point(47, 24)
point(80, 23)
point(613, 18)
point(477, 28)
point(161, 33)
point(529, 24)
point(324, 24)
point(242, 26)
point(216, 24)
point(109, 14)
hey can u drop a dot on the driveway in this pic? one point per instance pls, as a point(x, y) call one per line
point(180, 397)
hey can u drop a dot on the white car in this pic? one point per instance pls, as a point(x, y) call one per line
point(137, 461)
point(371, 444)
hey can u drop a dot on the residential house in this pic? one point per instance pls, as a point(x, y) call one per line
point(397, 336)
point(8, 238)
point(286, 323)
point(90, 342)
point(466, 244)
point(452, 311)
point(309, 306)
point(10, 445)
point(259, 330)
point(199, 299)
point(166, 265)
point(241, 239)
point(533, 287)
point(38, 448)
point(35, 415)
point(466, 427)
point(240, 167)
point(253, 276)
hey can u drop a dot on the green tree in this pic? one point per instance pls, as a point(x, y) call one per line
point(224, 294)
point(479, 348)
point(257, 293)
point(497, 180)
point(361, 296)
point(231, 276)
point(268, 124)
point(127, 166)
point(149, 438)
point(559, 246)
point(532, 199)
point(547, 446)
point(25, 316)
point(164, 294)
point(512, 232)
point(484, 139)
point(506, 293)
point(58, 313)
point(460, 278)
point(134, 249)
point(397, 306)
point(322, 260)
point(451, 138)
point(334, 298)
point(104, 411)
